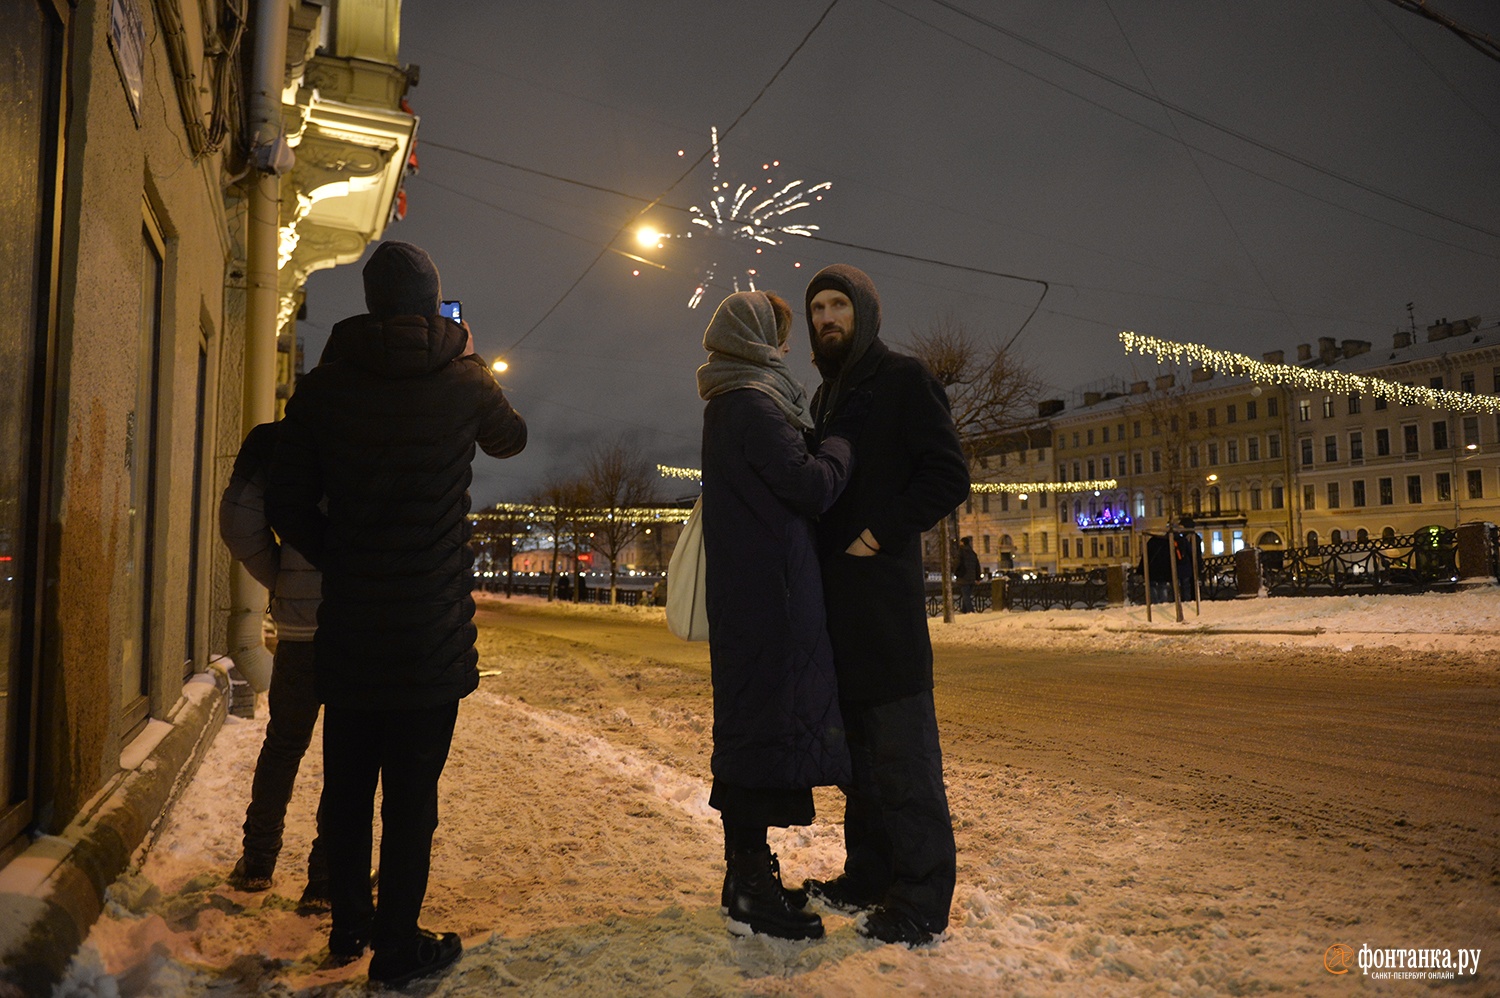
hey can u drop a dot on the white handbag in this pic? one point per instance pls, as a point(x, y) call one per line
point(687, 581)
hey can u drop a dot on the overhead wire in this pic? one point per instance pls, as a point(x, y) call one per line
point(1184, 111)
point(1197, 166)
point(685, 174)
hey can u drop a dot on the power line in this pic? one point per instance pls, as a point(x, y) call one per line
point(1198, 149)
point(1483, 44)
point(685, 174)
point(1197, 166)
point(1185, 112)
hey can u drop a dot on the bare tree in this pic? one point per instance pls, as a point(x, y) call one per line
point(990, 392)
point(620, 480)
point(495, 538)
point(559, 499)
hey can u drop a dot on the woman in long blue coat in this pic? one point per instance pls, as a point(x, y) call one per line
point(777, 728)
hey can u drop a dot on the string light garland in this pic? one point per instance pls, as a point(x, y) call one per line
point(1312, 379)
point(510, 511)
point(668, 471)
point(1013, 488)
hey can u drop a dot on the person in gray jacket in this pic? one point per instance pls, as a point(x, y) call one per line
point(296, 588)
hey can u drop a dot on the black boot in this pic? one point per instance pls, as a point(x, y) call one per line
point(795, 896)
point(758, 903)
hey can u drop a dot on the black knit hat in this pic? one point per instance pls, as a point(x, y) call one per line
point(401, 279)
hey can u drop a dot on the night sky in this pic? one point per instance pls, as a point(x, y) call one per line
point(1253, 176)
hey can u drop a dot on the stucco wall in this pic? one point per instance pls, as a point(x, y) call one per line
point(113, 166)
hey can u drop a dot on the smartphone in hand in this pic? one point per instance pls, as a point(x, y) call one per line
point(452, 310)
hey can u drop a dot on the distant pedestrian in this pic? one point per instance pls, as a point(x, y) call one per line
point(966, 571)
point(777, 728)
point(386, 427)
point(295, 588)
point(909, 472)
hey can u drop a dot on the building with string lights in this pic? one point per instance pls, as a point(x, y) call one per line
point(1344, 443)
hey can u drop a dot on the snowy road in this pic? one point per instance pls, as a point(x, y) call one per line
point(1189, 817)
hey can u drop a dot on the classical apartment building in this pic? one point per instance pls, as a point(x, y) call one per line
point(1249, 464)
point(176, 170)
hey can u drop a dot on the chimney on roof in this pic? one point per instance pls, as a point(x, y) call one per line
point(1304, 352)
point(1049, 407)
point(1202, 374)
point(1440, 330)
point(1353, 348)
point(1274, 356)
point(1402, 339)
point(1140, 387)
point(1165, 381)
point(1091, 398)
point(1328, 349)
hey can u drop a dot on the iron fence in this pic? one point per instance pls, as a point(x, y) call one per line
point(1417, 562)
point(982, 600)
point(1068, 591)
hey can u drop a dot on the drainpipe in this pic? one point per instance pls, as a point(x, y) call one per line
point(270, 157)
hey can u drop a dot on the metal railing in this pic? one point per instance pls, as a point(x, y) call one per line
point(627, 596)
point(1409, 563)
point(982, 600)
point(1069, 591)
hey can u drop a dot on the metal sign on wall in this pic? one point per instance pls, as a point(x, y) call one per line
point(127, 41)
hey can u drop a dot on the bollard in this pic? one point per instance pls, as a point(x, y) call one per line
point(1247, 573)
point(1476, 557)
point(999, 593)
point(1114, 585)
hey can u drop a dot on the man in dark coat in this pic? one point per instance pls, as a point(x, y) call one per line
point(385, 428)
point(966, 571)
point(909, 472)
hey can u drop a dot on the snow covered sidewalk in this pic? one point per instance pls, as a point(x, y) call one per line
point(577, 854)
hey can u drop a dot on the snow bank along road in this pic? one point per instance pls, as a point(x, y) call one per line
point(1183, 816)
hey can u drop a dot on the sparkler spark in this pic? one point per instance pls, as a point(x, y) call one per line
point(748, 215)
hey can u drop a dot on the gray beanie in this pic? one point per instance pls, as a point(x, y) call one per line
point(401, 279)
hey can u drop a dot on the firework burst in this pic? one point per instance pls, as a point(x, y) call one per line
point(747, 215)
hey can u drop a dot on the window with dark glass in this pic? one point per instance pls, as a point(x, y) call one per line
point(1354, 404)
point(1333, 495)
point(1409, 438)
point(1414, 488)
point(1387, 491)
point(1330, 449)
point(1306, 446)
point(1440, 435)
point(1382, 442)
point(1443, 486)
point(1357, 492)
point(1356, 446)
point(1476, 483)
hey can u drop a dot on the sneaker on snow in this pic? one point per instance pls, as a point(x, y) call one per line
point(422, 954)
point(889, 925)
point(841, 894)
point(252, 874)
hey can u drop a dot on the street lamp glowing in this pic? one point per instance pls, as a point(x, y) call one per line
point(499, 367)
point(1213, 478)
point(647, 236)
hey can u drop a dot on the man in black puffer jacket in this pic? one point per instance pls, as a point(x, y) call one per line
point(385, 428)
point(909, 472)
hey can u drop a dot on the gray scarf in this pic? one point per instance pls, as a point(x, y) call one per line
point(743, 353)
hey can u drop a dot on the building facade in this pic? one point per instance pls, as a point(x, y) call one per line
point(130, 328)
point(1268, 466)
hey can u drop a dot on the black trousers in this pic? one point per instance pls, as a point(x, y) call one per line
point(293, 704)
point(405, 750)
point(898, 834)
